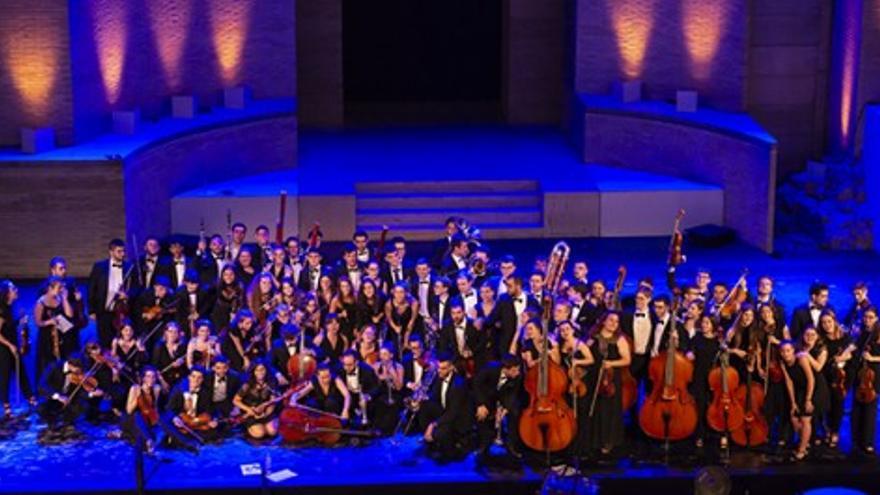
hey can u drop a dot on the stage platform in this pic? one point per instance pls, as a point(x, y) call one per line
point(511, 182)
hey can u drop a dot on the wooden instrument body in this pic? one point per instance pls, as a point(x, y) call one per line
point(199, 422)
point(147, 406)
point(838, 385)
point(548, 424)
point(865, 392)
point(296, 425)
point(670, 411)
point(629, 386)
point(754, 430)
point(725, 413)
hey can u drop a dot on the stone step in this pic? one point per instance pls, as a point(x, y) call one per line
point(462, 200)
point(448, 187)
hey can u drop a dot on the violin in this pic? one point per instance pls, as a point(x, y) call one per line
point(146, 404)
point(838, 384)
point(670, 412)
point(24, 337)
point(676, 256)
point(865, 391)
point(725, 413)
point(83, 381)
point(735, 298)
point(754, 430)
point(198, 422)
point(150, 313)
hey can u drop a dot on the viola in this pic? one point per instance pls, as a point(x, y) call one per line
point(725, 413)
point(198, 422)
point(676, 255)
point(670, 412)
point(865, 392)
point(734, 300)
point(24, 336)
point(150, 313)
point(147, 406)
point(754, 430)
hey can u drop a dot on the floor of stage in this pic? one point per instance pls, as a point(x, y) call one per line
point(101, 465)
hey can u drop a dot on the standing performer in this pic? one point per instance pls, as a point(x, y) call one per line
point(10, 349)
point(53, 315)
point(867, 385)
point(611, 350)
point(704, 351)
point(800, 386)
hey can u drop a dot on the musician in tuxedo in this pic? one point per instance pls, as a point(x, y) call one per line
point(221, 385)
point(362, 383)
point(498, 396)
point(507, 314)
point(479, 270)
point(439, 305)
point(536, 288)
point(312, 271)
point(349, 266)
point(70, 340)
point(190, 398)
point(361, 242)
point(111, 281)
point(764, 296)
point(457, 259)
point(287, 346)
point(194, 301)
point(392, 270)
point(294, 254)
point(861, 303)
point(399, 243)
point(212, 261)
point(236, 241)
point(150, 263)
point(663, 324)
point(461, 339)
point(808, 314)
point(442, 245)
point(447, 416)
point(581, 311)
point(64, 401)
point(466, 293)
point(638, 325)
point(506, 269)
point(416, 362)
point(176, 266)
point(422, 285)
point(580, 272)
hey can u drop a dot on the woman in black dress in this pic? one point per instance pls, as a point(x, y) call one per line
point(245, 341)
point(611, 351)
point(130, 353)
point(330, 342)
point(244, 266)
point(840, 349)
point(327, 393)
point(864, 414)
point(401, 313)
point(51, 310)
point(390, 398)
point(370, 305)
point(703, 351)
point(169, 357)
point(11, 365)
point(771, 332)
point(800, 386)
point(813, 348)
point(253, 399)
point(577, 360)
point(740, 336)
point(309, 317)
point(230, 298)
point(345, 306)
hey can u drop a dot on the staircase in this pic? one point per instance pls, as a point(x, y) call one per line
point(506, 209)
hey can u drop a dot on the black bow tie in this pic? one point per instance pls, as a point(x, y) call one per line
point(641, 315)
point(424, 282)
point(352, 373)
point(813, 307)
point(518, 300)
point(117, 265)
point(151, 261)
point(221, 379)
point(180, 262)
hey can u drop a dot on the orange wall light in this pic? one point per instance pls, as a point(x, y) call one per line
point(31, 57)
point(704, 25)
point(230, 20)
point(633, 21)
point(109, 28)
point(169, 22)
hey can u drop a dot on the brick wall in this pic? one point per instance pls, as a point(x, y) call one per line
point(869, 74)
point(49, 209)
point(659, 56)
point(319, 62)
point(788, 76)
point(173, 47)
point(34, 69)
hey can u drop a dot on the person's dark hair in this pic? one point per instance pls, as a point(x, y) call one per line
point(350, 353)
point(261, 228)
point(817, 287)
point(199, 369)
point(349, 248)
point(56, 260)
point(511, 361)
point(444, 357)
point(663, 298)
point(239, 224)
point(359, 233)
point(115, 243)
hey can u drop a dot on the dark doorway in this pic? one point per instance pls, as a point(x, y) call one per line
point(422, 61)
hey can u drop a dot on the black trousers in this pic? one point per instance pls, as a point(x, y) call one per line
point(864, 424)
point(55, 414)
point(106, 331)
point(835, 413)
point(8, 373)
point(486, 431)
point(449, 441)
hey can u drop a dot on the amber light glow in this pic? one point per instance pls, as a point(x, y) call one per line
point(109, 28)
point(704, 26)
point(633, 21)
point(31, 58)
point(169, 20)
point(230, 20)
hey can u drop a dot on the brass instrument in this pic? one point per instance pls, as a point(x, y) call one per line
point(500, 413)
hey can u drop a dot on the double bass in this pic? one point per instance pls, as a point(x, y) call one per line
point(670, 412)
point(548, 424)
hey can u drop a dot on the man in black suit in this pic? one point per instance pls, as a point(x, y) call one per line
point(392, 271)
point(211, 262)
point(221, 385)
point(312, 272)
point(457, 259)
point(460, 338)
point(439, 306)
point(190, 397)
point(61, 407)
point(663, 324)
point(176, 266)
point(282, 350)
point(507, 313)
point(350, 267)
point(414, 363)
point(422, 285)
point(447, 416)
point(638, 326)
point(861, 303)
point(498, 393)
point(580, 309)
point(150, 263)
point(361, 242)
point(807, 315)
point(536, 288)
point(111, 281)
point(362, 384)
point(194, 301)
point(442, 245)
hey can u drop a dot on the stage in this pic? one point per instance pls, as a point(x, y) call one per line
point(392, 466)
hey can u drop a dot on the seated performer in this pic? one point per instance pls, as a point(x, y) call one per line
point(497, 393)
point(325, 392)
point(254, 400)
point(68, 391)
point(142, 409)
point(189, 410)
point(386, 407)
point(221, 385)
point(169, 357)
point(447, 416)
point(362, 384)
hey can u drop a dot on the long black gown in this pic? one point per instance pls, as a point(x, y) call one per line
point(606, 427)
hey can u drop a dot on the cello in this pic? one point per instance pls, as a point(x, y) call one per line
point(725, 413)
point(670, 412)
point(299, 424)
point(548, 424)
point(754, 430)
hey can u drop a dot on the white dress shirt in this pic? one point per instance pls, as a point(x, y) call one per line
point(114, 283)
point(641, 331)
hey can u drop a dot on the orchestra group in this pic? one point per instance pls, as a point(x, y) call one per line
point(466, 349)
